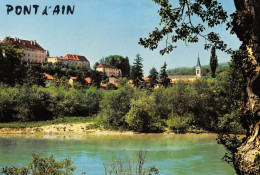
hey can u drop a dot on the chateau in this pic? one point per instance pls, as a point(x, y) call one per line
point(33, 52)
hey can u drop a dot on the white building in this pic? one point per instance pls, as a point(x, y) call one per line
point(109, 71)
point(71, 60)
point(33, 52)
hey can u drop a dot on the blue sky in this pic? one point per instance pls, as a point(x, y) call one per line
point(101, 28)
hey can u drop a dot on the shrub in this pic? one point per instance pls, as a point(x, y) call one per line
point(89, 102)
point(143, 116)
point(32, 104)
point(114, 107)
point(179, 124)
point(7, 103)
point(42, 165)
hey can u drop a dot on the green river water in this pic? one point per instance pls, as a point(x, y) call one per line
point(172, 154)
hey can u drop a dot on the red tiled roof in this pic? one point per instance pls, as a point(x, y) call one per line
point(88, 80)
point(103, 85)
point(23, 44)
point(73, 78)
point(145, 78)
point(48, 76)
point(74, 57)
point(106, 66)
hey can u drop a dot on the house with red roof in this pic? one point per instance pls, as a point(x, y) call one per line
point(49, 79)
point(108, 70)
point(71, 60)
point(33, 52)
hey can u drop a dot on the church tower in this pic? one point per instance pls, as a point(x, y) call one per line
point(198, 68)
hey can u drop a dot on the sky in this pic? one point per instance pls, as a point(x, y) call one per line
point(99, 28)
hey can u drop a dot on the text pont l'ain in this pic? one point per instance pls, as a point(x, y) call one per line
point(35, 9)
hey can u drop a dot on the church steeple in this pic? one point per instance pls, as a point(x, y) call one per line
point(198, 68)
point(198, 62)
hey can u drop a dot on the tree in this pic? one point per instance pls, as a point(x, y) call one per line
point(213, 62)
point(95, 65)
point(137, 71)
point(81, 79)
point(96, 78)
point(34, 75)
point(48, 53)
point(165, 81)
point(177, 22)
point(142, 116)
point(153, 77)
point(115, 105)
point(11, 69)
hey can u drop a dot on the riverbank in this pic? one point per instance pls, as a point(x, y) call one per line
point(66, 126)
point(63, 129)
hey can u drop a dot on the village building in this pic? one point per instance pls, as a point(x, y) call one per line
point(187, 78)
point(70, 60)
point(109, 71)
point(49, 79)
point(112, 72)
point(33, 52)
point(54, 60)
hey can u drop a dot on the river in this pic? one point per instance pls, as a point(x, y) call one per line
point(172, 154)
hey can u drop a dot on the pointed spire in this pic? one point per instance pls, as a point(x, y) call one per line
point(198, 62)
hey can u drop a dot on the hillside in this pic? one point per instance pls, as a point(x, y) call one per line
point(191, 70)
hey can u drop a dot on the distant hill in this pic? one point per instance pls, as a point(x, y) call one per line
point(191, 70)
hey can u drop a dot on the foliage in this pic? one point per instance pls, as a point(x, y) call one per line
point(142, 116)
point(42, 165)
point(137, 71)
point(165, 81)
point(11, 69)
point(161, 98)
point(62, 120)
point(32, 104)
point(48, 165)
point(114, 107)
point(178, 124)
point(122, 81)
point(96, 78)
point(231, 143)
point(34, 75)
point(213, 62)
point(205, 70)
point(153, 77)
point(177, 24)
point(125, 166)
point(111, 86)
point(62, 70)
point(35, 103)
point(81, 80)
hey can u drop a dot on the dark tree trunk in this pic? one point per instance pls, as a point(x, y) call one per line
point(246, 26)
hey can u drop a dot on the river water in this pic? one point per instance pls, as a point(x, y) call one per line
point(172, 154)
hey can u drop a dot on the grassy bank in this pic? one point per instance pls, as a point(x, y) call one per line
point(64, 120)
